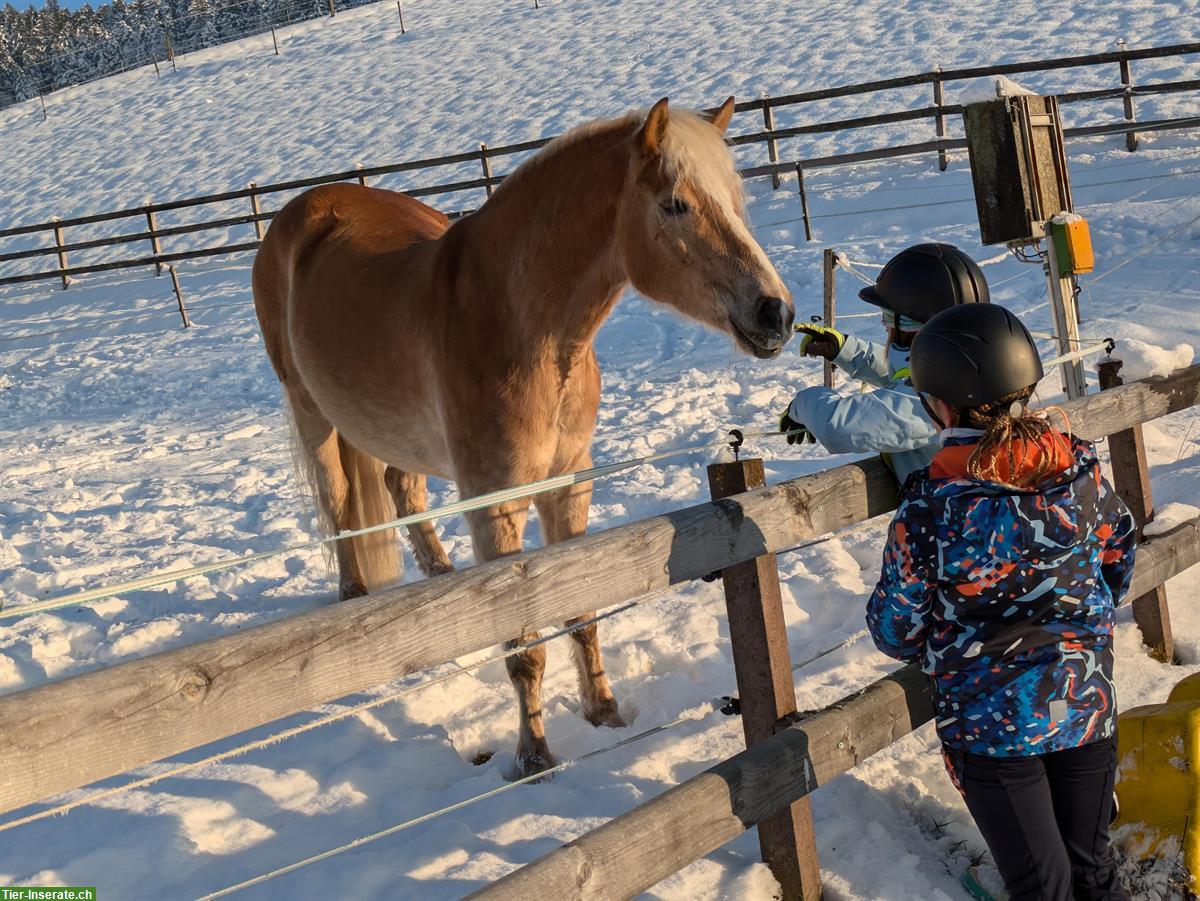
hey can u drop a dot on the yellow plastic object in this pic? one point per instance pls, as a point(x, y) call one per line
point(1158, 777)
point(1072, 244)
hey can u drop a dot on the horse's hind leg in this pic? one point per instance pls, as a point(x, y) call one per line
point(563, 515)
point(410, 494)
point(322, 464)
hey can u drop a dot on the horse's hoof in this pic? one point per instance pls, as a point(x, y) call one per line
point(531, 762)
point(606, 713)
point(352, 588)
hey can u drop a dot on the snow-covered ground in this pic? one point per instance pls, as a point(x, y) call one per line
point(128, 445)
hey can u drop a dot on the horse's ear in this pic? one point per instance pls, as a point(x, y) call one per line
point(654, 129)
point(722, 114)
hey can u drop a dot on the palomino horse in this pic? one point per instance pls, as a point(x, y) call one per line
point(409, 347)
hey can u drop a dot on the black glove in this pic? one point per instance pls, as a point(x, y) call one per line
point(796, 432)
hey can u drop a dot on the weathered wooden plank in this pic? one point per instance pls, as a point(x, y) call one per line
point(85, 728)
point(69, 733)
point(638, 849)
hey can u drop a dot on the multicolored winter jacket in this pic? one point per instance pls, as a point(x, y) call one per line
point(1006, 597)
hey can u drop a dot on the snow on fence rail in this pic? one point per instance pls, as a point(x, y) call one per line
point(69, 733)
point(770, 136)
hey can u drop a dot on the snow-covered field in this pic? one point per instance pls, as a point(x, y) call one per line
point(128, 445)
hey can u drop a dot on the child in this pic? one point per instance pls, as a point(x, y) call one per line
point(913, 286)
point(1003, 566)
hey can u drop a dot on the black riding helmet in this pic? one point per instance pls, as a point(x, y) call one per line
point(926, 279)
point(974, 355)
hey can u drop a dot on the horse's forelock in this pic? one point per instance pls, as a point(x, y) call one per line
point(694, 151)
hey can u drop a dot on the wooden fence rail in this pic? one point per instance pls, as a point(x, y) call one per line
point(771, 137)
point(639, 849)
point(75, 731)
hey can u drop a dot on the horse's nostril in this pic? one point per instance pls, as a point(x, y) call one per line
point(774, 315)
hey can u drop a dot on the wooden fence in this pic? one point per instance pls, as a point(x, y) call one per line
point(72, 732)
point(152, 235)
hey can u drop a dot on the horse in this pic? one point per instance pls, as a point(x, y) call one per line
point(409, 346)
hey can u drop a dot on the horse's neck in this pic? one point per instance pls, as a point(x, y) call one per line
point(547, 245)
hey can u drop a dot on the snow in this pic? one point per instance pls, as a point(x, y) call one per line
point(1142, 360)
point(984, 90)
point(1169, 516)
point(130, 445)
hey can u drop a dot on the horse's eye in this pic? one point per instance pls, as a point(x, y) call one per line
point(675, 207)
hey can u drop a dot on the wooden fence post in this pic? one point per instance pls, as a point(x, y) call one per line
point(170, 51)
point(274, 41)
point(829, 309)
point(258, 226)
point(939, 100)
point(803, 202)
point(487, 167)
point(156, 72)
point(62, 255)
point(331, 9)
point(45, 115)
point(400, 12)
point(155, 246)
point(187, 323)
point(772, 146)
point(1131, 479)
point(766, 689)
point(362, 179)
point(1131, 138)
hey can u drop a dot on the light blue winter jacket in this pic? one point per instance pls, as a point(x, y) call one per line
point(889, 420)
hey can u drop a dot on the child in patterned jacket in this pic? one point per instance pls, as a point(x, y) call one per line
point(1004, 564)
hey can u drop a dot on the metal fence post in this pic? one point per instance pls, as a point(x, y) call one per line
point(939, 100)
point(155, 246)
point(829, 308)
point(772, 146)
point(1131, 138)
point(187, 323)
point(258, 226)
point(803, 202)
point(1131, 479)
point(765, 688)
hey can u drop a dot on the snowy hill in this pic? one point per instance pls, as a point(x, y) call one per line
point(130, 445)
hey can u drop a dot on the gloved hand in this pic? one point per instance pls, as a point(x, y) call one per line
point(820, 340)
point(795, 431)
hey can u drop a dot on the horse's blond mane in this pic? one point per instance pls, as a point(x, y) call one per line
point(692, 151)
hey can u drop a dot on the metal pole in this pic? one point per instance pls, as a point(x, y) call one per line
point(772, 147)
point(1066, 322)
point(400, 12)
point(275, 42)
point(187, 323)
point(939, 99)
point(803, 202)
point(829, 307)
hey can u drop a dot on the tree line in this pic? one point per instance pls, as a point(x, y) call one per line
point(42, 50)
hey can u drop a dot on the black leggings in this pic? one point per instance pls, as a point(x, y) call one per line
point(1045, 819)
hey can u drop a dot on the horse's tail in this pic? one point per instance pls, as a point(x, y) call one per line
point(378, 554)
point(376, 557)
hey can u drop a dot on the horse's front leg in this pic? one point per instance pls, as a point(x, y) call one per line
point(563, 515)
point(496, 532)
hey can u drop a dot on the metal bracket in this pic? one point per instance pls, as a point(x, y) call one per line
point(736, 440)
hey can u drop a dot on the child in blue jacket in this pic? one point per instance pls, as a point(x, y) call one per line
point(914, 285)
point(1004, 563)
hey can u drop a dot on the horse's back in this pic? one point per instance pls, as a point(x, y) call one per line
point(326, 240)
